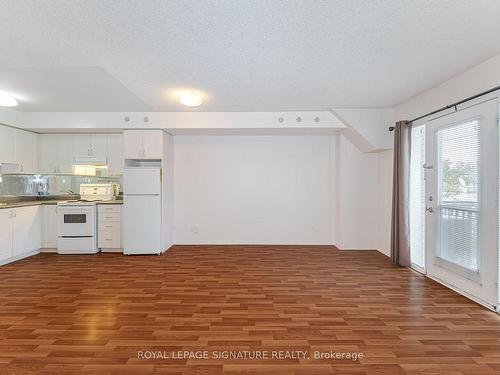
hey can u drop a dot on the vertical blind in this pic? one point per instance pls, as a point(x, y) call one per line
point(459, 193)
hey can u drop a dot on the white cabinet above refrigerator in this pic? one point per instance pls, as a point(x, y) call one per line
point(143, 144)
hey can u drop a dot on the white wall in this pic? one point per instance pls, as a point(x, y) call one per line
point(10, 117)
point(365, 179)
point(384, 201)
point(474, 81)
point(357, 197)
point(366, 128)
point(254, 189)
point(168, 191)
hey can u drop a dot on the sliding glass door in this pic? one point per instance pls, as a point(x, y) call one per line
point(461, 200)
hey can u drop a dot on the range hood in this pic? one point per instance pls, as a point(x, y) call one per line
point(10, 168)
point(89, 160)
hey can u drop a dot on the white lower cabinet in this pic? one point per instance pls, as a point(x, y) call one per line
point(5, 234)
point(109, 228)
point(27, 230)
point(21, 232)
point(49, 226)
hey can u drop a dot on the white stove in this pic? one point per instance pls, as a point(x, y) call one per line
point(77, 220)
point(77, 227)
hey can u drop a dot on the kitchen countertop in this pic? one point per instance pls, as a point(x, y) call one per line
point(49, 202)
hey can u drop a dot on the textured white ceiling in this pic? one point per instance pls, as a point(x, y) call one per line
point(258, 55)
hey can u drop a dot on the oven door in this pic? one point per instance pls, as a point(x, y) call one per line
point(78, 221)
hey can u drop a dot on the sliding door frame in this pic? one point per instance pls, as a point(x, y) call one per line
point(413, 265)
point(423, 122)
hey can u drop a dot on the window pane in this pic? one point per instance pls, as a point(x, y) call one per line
point(458, 179)
point(75, 218)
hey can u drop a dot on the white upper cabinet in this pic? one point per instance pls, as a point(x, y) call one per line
point(57, 151)
point(143, 144)
point(7, 144)
point(115, 154)
point(90, 145)
point(132, 144)
point(99, 145)
point(48, 162)
point(152, 144)
point(19, 147)
point(65, 153)
point(27, 150)
point(81, 145)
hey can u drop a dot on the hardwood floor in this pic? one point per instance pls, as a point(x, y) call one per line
point(95, 314)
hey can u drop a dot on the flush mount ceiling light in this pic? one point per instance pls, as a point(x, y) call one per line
point(7, 100)
point(190, 99)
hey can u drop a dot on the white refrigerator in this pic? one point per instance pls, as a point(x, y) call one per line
point(142, 210)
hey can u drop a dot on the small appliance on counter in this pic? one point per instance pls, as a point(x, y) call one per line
point(99, 192)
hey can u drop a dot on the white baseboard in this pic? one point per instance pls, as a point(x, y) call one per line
point(48, 250)
point(463, 293)
point(356, 248)
point(104, 250)
point(19, 257)
point(384, 253)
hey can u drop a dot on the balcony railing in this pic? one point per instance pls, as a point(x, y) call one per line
point(459, 234)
